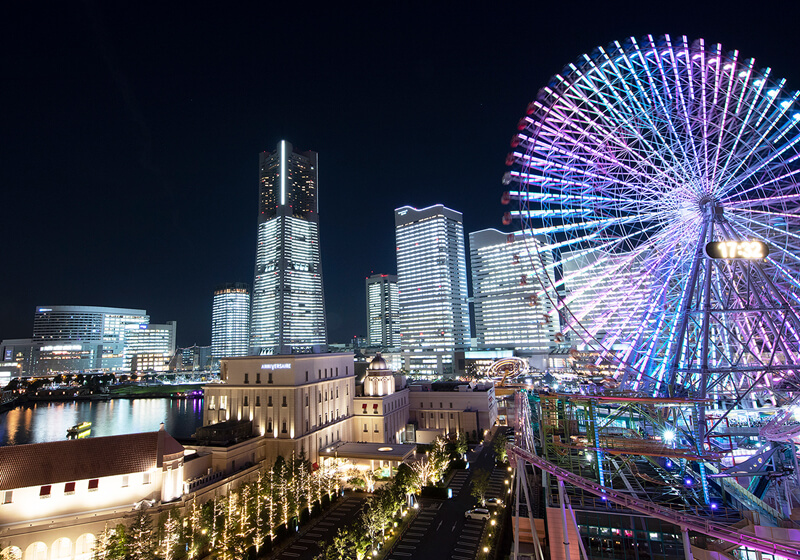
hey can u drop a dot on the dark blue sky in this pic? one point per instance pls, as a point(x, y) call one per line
point(131, 131)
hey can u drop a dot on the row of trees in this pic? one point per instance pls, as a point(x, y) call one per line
point(256, 513)
point(247, 518)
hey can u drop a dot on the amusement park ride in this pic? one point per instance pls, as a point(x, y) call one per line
point(675, 165)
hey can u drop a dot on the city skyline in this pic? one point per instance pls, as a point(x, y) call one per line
point(133, 138)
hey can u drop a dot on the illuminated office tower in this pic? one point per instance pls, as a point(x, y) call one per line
point(150, 347)
point(288, 311)
point(512, 309)
point(82, 337)
point(230, 321)
point(383, 308)
point(432, 285)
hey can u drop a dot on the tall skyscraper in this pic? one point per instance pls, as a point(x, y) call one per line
point(383, 309)
point(288, 312)
point(432, 285)
point(230, 321)
point(512, 309)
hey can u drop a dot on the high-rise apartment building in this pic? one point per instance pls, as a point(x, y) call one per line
point(513, 309)
point(288, 311)
point(383, 309)
point(82, 338)
point(432, 286)
point(230, 321)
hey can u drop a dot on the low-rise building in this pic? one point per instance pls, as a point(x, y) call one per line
point(381, 412)
point(56, 496)
point(447, 407)
point(299, 403)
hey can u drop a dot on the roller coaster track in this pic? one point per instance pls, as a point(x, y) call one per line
point(689, 522)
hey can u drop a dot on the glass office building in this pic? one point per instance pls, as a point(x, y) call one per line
point(432, 286)
point(288, 310)
point(230, 321)
point(512, 288)
point(383, 309)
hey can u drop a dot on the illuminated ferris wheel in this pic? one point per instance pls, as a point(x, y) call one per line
point(662, 177)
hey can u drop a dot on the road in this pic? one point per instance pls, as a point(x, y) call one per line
point(440, 529)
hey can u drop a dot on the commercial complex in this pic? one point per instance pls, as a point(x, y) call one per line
point(432, 286)
point(230, 320)
point(288, 312)
point(150, 347)
point(512, 288)
point(383, 310)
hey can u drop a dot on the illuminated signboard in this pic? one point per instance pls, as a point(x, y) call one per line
point(276, 366)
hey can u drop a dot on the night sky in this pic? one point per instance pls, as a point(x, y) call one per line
point(130, 131)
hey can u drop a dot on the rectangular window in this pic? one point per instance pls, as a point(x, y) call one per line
point(440, 405)
point(337, 372)
point(326, 373)
point(306, 425)
point(269, 377)
point(146, 478)
point(8, 497)
point(346, 370)
point(269, 400)
point(441, 415)
point(326, 417)
point(306, 377)
point(284, 401)
point(258, 377)
point(125, 481)
point(347, 389)
point(93, 484)
point(376, 428)
point(306, 399)
point(319, 374)
point(258, 400)
point(44, 491)
point(337, 392)
point(365, 427)
point(451, 416)
point(246, 378)
point(451, 405)
point(284, 427)
point(319, 420)
point(269, 426)
point(246, 401)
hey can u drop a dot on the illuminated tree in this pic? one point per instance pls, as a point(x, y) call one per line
point(171, 535)
point(142, 545)
point(480, 485)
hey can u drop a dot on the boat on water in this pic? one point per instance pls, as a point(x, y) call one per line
point(79, 430)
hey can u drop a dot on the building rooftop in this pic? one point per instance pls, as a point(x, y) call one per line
point(37, 464)
point(385, 451)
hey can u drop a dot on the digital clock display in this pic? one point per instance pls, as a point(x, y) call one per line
point(737, 250)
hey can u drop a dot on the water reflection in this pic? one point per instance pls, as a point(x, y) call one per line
point(42, 422)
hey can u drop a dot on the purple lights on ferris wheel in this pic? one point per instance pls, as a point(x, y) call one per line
point(626, 165)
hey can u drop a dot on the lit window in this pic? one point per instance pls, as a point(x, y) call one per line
point(8, 497)
point(125, 481)
point(146, 478)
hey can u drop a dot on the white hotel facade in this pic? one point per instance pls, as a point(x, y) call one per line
point(230, 320)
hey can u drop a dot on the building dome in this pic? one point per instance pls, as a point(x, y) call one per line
point(378, 364)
